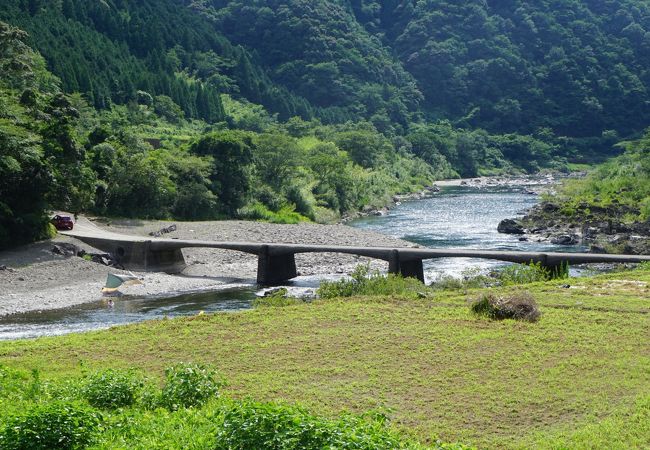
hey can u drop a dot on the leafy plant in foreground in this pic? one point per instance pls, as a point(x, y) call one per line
point(363, 282)
point(270, 426)
point(112, 388)
point(189, 385)
point(50, 426)
point(523, 274)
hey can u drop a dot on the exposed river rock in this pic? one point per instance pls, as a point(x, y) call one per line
point(603, 229)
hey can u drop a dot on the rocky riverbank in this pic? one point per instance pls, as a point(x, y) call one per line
point(602, 229)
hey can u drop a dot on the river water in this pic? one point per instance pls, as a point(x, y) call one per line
point(462, 217)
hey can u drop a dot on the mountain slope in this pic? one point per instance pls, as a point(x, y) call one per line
point(575, 67)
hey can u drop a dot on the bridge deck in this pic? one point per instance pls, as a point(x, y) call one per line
point(276, 262)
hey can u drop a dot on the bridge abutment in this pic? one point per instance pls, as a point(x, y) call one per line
point(275, 268)
point(141, 257)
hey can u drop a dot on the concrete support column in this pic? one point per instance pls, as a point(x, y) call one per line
point(408, 269)
point(275, 268)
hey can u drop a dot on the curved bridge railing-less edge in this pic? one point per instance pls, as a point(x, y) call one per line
point(276, 262)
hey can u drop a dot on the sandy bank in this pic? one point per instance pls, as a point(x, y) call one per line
point(36, 278)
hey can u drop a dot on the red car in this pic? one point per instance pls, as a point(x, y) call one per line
point(62, 222)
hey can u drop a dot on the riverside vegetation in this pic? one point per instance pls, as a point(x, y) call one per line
point(402, 366)
point(200, 110)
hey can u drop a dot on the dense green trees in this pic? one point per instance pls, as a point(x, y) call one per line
point(576, 67)
point(232, 156)
point(295, 109)
point(579, 69)
point(41, 163)
point(511, 66)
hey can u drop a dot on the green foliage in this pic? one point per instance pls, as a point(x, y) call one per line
point(523, 274)
point(366, 148)
point(248, 425)
point(189, 385)
point(257, 211)
point(617, 190)
point(41, 163)
point(276, 298)
point(112, 388)
point(517, 306)
point(35, 420)
point(50, 426)
point(511, 275)
point(363, 282)
point(232, 156)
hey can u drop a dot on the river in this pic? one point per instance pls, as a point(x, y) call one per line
point(460, 216)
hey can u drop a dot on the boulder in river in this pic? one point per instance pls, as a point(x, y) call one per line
point(550, 207)
point(510, 226)
point(564, 239)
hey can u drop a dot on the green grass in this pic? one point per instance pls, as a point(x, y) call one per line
point(580, 375)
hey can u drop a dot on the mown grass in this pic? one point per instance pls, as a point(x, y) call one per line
point(578, 376)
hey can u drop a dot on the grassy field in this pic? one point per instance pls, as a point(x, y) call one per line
point(578, 378)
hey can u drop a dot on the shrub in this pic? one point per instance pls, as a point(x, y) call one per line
point(362, 282)
point(50, 426)
point(250, 425)
point(514, 274)
point(189, 385)
point(12, 382)
point(257, 211)
point(523, 274)
point(518, 306)
point(276, 298)
point(644, 266)
point(112, 388)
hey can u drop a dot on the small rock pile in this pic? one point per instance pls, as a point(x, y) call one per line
point(68, 250)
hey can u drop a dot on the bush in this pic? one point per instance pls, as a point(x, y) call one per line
point(189, 385)
point(112, 388)
point(518, 306)
point(276, 298)
point(362, 282)
point(523, 274)
point(257, 211)
point(514, 274)
point(268, 426)
point(50, 426)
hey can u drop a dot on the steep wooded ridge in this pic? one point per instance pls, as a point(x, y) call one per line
point(296, 110)
point(574, 69)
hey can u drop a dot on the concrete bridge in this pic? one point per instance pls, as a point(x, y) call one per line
point(276, 262)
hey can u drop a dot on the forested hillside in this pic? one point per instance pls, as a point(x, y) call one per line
point(576, 69)
point(301, 110)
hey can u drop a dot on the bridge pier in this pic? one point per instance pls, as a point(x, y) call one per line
point(275, 268)
point(411, 268)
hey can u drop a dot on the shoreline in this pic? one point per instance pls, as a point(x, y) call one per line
point(33, 278)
